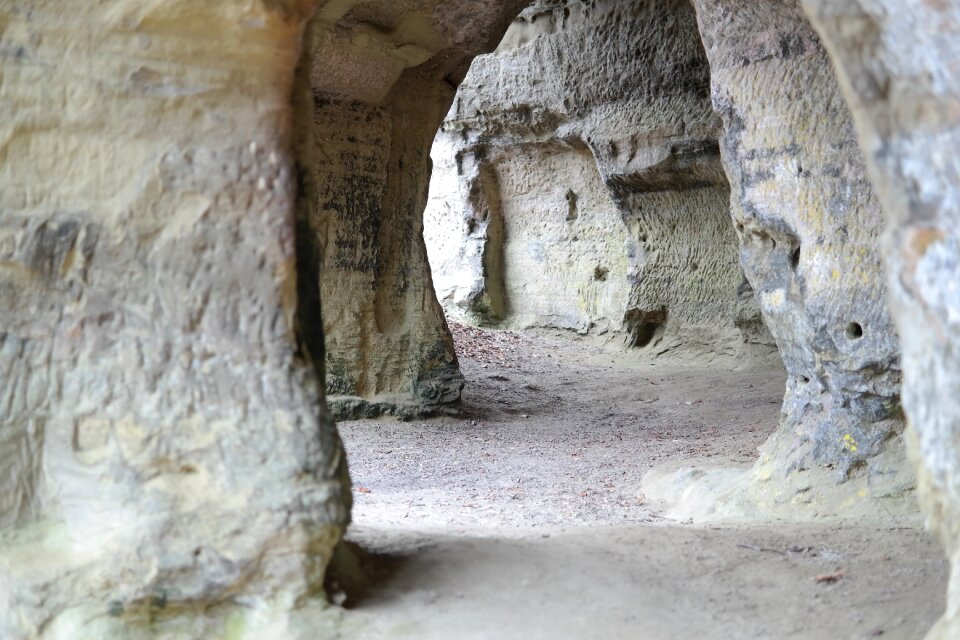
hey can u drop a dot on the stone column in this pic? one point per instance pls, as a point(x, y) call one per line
point(380, 82)
point(163, 447)
point(809, 227)
point(898, 62)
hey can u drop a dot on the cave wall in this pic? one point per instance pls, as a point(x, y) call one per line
point(579, 98)
point(564, 249)
point(897, 64)
point(384, 75)
point(809, 226)
point(553, 250)
point(163, 442)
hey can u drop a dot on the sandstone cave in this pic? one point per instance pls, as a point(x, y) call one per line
point(475, 319)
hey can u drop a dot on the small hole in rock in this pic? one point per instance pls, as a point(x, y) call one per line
point(571, 205)
point(644, 326)
point(854, 331)
point(804, 379)
point(600, 273)
point(795, 258)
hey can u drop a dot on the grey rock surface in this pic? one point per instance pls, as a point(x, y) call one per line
point(809, 226)
point(897, 64)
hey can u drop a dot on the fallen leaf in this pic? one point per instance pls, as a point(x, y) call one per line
point(830, 577)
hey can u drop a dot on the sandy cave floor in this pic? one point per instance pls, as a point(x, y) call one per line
point(525, 519)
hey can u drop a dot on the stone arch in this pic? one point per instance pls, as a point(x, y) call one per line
point(150, 358)
point(803, 211)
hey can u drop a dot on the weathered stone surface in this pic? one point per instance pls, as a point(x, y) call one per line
point(809, 227)
point(579, 183)
point(383, 75)
point(551, 248)
point(897, 61)
point(162, 444)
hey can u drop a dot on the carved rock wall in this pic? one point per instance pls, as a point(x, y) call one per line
point(163, 444)
point(897, 63)
point(384, 74)
point(580, 186)
point(553, 250)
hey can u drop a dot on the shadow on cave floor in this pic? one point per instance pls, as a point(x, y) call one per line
point(525, 519)
point(643, 583)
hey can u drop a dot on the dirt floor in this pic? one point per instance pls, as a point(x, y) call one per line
point(526, 519)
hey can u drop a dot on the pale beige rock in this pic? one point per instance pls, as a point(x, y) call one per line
point(162, 444)
point(383, 75)
point(562, 258)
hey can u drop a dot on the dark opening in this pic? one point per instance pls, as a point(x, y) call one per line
point(854, 331)
point(643, 326)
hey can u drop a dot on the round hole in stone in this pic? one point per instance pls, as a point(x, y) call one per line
point(804, 379)
point(854, 331)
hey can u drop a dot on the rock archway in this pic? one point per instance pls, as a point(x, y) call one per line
point(631, 89)
point(178, 201)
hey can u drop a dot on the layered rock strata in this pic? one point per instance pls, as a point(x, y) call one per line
point(383, 75)
point(164, 445)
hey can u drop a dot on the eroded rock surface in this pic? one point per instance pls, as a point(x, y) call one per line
point(809, 226)
point(553, 250)
point(579, 184)
point(383, 75)
point(162, 445)
point(897, 62)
